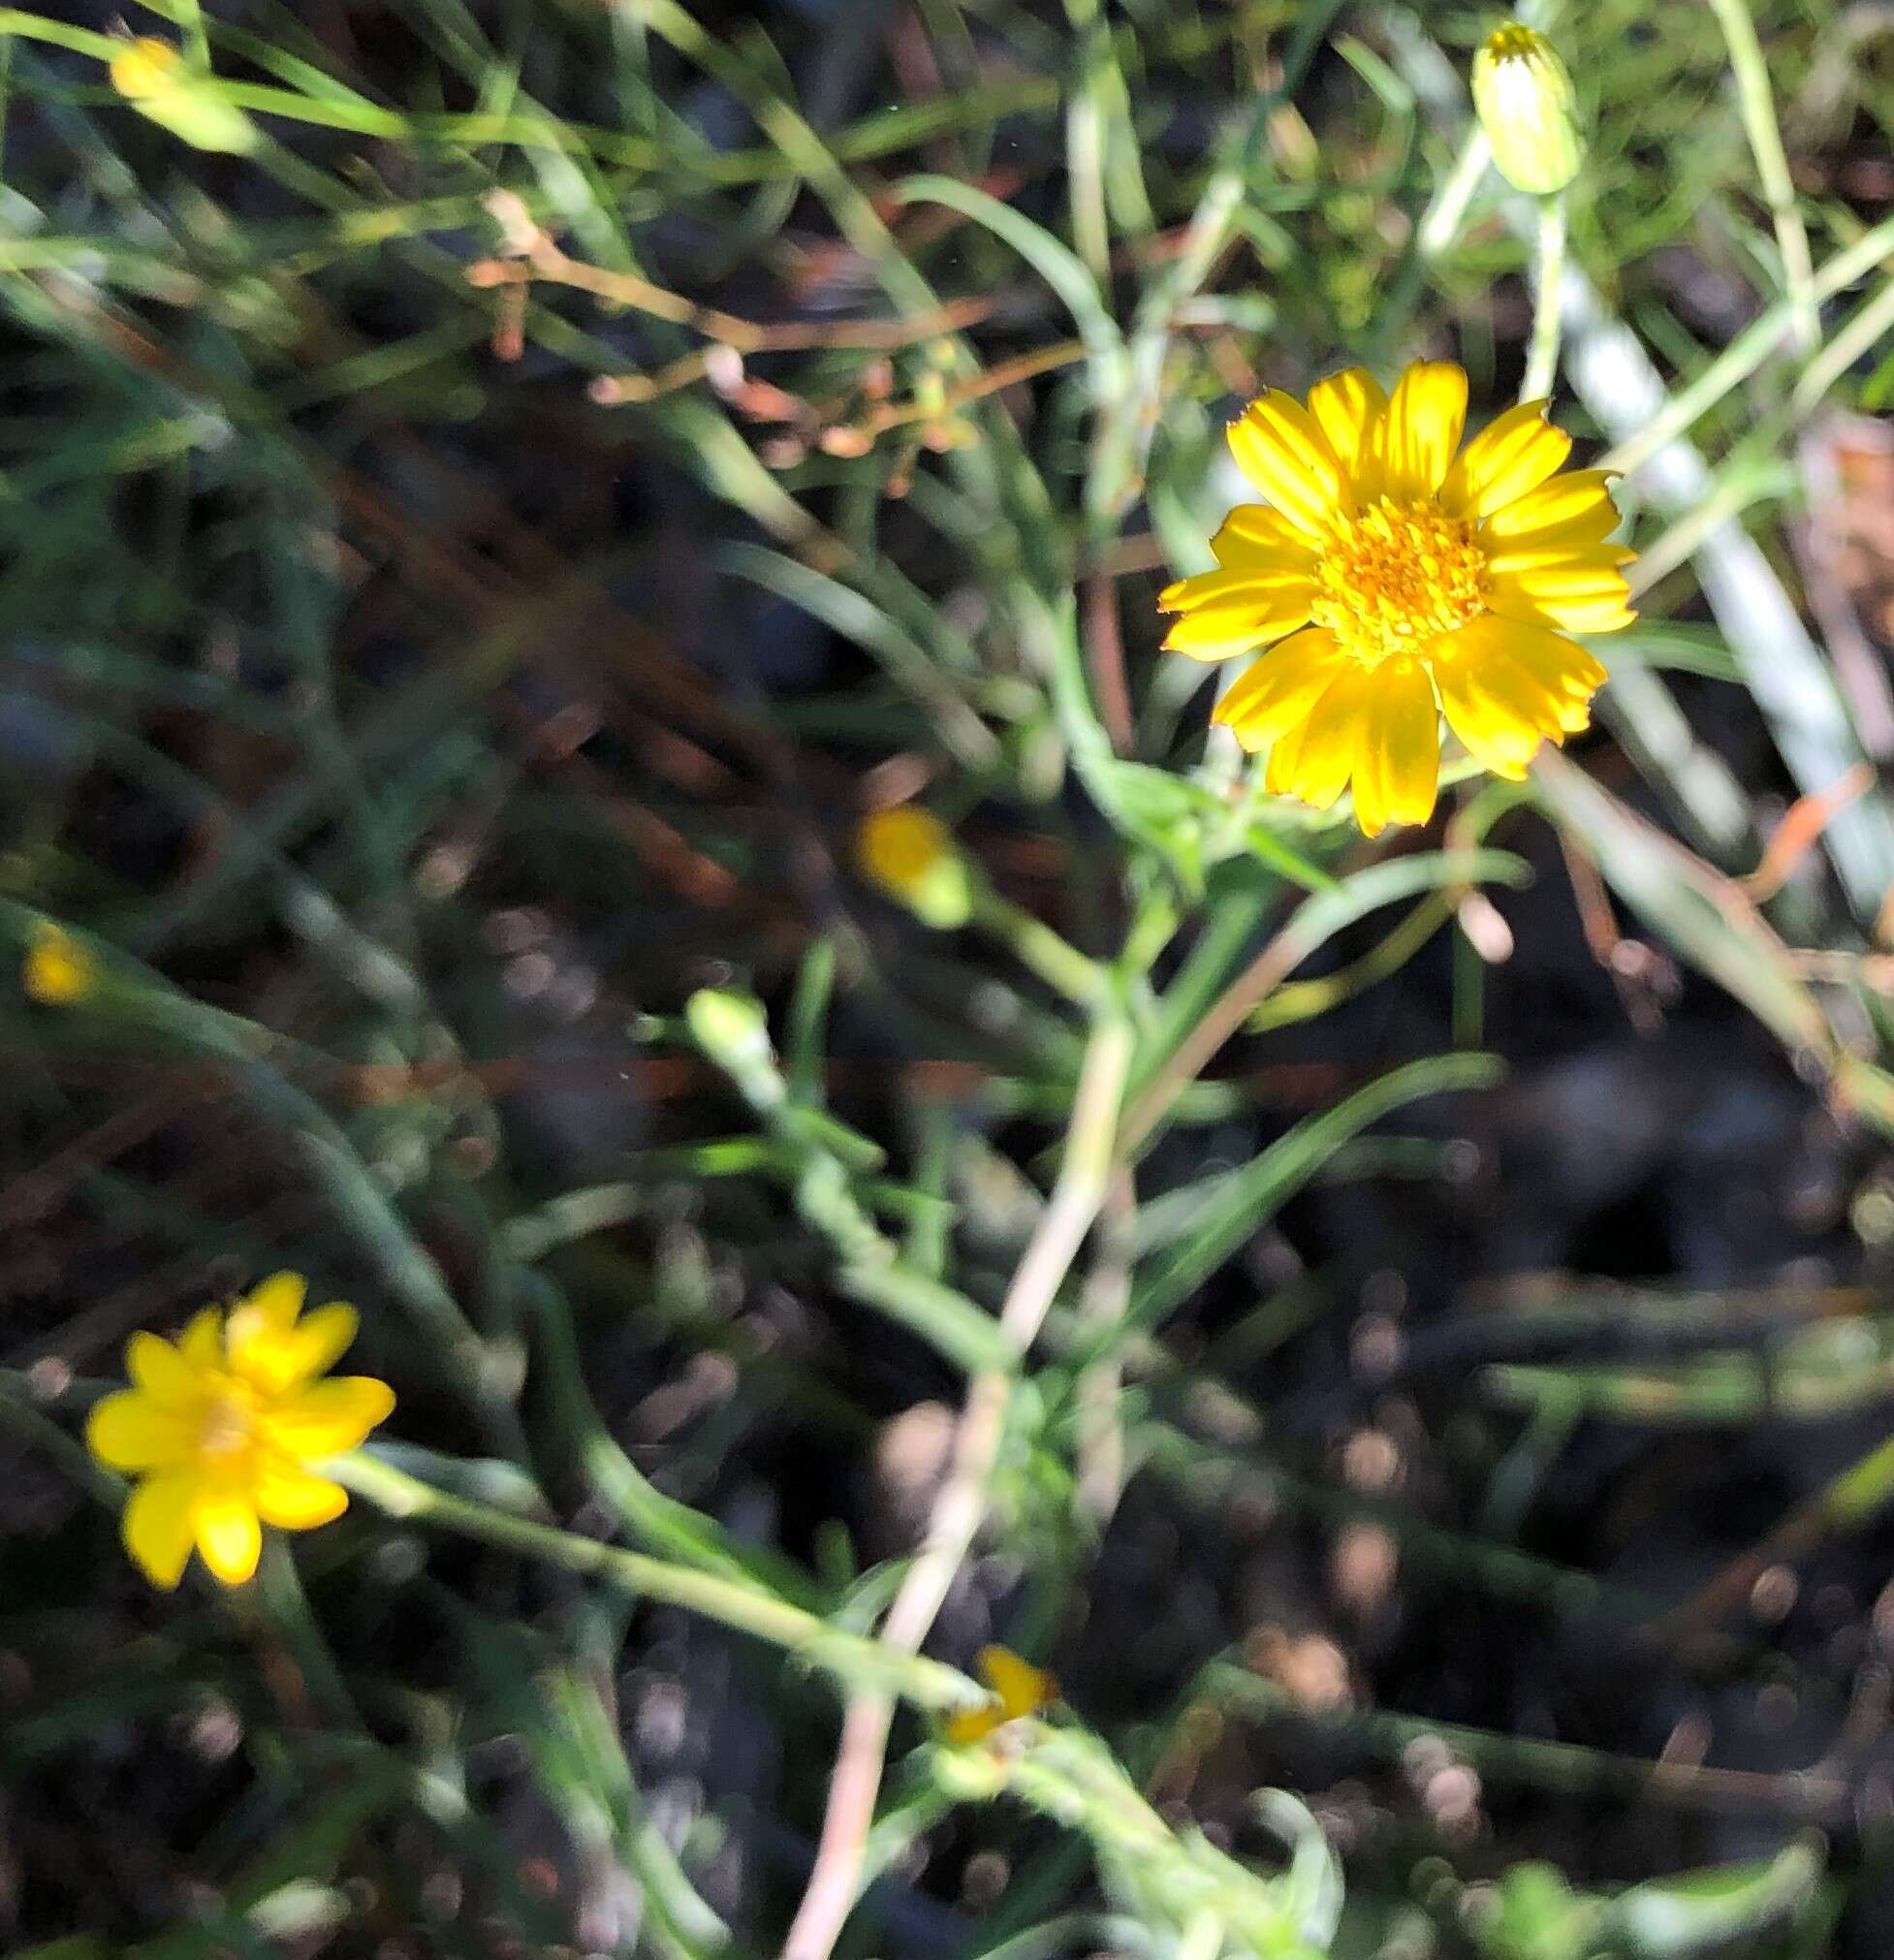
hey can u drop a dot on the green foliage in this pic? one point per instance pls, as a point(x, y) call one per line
point(488, 499)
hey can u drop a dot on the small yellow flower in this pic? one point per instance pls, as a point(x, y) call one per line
point(145, 66)
point(156, 79)
point(1018, 1686)
point(1403, 584)
point(910, 854)
point(1523, 95)
point(57, 970)
point(220, 1430)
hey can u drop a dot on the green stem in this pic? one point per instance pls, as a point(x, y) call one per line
point(81, 39)
point(1743, 355)
point(1034, 944)
point(1542, 360)
point(849, 1656)
point(1757, 103)
point(1862, 331)
point(1442, 219)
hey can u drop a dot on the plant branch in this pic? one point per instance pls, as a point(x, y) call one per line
point(960, 1507)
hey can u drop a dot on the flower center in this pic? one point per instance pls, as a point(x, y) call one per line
point(228, 1424)
point(1396, 577)
point(1513, 43)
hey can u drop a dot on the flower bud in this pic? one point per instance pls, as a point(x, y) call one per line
point(157, 80)
point(57, 970)
point(731, 1028)
point(1523, 95)
point(909, 853)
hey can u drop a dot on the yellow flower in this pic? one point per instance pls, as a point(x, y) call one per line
point(57, 970)
point(156, 79)
point(910, 854)
point(1403, 582)
point(1527, 107)
point(1018, 1688)
point(221, 1430)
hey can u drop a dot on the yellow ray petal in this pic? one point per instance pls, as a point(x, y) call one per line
point(1018, 1689)
point(322, 1337)
point(1022, 1689)
point(1348, 408)
point(202, 1343)
point(328, 1417)
point(161, 1371)
point(1254, 538)
point(273, 1303)
point(131, 1431)
point(975, 1724)
point(1580, 615)
point(228, 1537)
point(156, 1527)
point(277, 1359)
point(1513, 453)
point(1279, 447)
point(1422, 428)
point(1508, 684)
point(1398, 757)
point(1588, 531)
point(1225, 612)
point(290, 1498)
point(1534, 559)
point(1589, 600)
point(1313, 761)
point(1281, 689)
point(1579, 498)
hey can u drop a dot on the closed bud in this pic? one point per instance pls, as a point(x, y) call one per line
point(157, 80)
point(731, 1028)
point(910, 854)
point(57, 970)
point(1527, 108)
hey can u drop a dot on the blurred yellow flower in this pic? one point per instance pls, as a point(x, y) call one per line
point(221, 1430)
point(157, 80)
point(1403, 582)
point(911, 855)
point(57, 969)
point(1018, 1688)
point(1523, 93)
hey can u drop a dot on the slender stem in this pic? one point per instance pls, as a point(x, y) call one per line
point(1442, 219)
point(849, 1657)
point(1550, 1765)
point(1034, 944)
point(1542, 360)
point(1757, 103)
point(1203, 1937)
point(961, 1508)
point(1743, 355)
point(1084, 145)
point(1863, 330)
point(81, 39)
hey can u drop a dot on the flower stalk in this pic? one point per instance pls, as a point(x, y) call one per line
point(1542, 357)
point(847, 1657)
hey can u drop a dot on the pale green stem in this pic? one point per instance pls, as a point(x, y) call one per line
point(1203, 1937)
point(849, 1657)
point(1034, 944)
point(1442, 219)
point(1747, 353)
point(1757, 103)
point(960, 1506)
point(1683, 540)
point(1084, 150)
point(81, 39)
point(1865, 328)
point(1542, 360)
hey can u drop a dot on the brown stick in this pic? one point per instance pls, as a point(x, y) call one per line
point(958, 1511)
